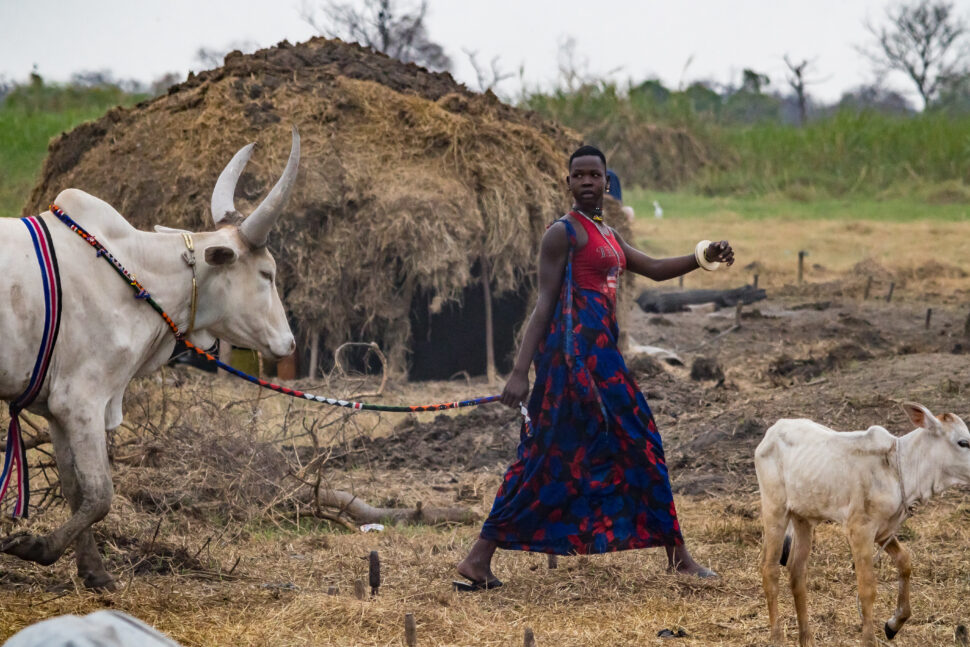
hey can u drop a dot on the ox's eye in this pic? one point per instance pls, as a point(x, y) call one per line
point(964, 443)
point(267, 275)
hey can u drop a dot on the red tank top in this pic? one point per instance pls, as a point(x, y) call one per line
point(597, 266)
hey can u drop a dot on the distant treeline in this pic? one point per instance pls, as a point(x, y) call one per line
point(743, 140)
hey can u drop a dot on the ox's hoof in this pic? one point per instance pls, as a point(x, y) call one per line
point(890, 634)
point(98, 581)
point(29, 547)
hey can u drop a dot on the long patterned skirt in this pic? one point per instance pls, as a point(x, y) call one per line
point(590, 475)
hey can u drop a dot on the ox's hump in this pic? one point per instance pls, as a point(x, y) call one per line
point(92, 213)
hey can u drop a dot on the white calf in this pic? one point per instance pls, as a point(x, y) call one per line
point(865, 480)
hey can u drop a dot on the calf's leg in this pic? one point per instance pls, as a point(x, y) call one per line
point(901, 557)
point(861, 541)
point(775, 522)
point(798, 568)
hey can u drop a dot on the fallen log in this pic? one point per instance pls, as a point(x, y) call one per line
point(361, 512)
point(660, 301)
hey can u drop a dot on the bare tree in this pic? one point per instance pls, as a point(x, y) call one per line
point(394, 28)
point(487, 78)
point(574, 71)
point(925, 39)
point(797, 81)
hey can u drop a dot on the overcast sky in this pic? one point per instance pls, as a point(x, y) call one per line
point(634, 39)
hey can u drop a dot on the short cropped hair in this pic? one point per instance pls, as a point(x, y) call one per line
point(587, 151)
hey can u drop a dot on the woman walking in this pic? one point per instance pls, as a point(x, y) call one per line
point(590, 475)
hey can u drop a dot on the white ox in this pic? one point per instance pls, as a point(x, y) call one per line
point(865, 480)
point(107, 337)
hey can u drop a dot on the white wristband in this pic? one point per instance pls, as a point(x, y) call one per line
point(702, 262)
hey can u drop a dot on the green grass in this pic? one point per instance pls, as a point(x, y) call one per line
point(847, 154)
point(682, 205)
point(29, 118)
point(675, 145)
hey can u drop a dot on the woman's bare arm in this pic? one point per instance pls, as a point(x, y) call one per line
point(553, 252)
point(661, 269)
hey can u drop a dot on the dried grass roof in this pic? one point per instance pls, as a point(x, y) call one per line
point(407, 178)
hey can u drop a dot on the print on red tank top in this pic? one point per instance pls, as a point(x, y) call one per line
point(597, 266)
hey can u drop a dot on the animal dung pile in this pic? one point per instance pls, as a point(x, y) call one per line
point(407, 181)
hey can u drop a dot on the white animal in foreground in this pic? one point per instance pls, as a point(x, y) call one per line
point(98, 629)
point(865, 480)
point(107, 337)
point(658, 211)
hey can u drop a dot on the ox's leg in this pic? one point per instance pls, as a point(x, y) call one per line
point(82, 431)
point(798, 568)
point(90, 567)
point(775, 521)
point(862, 540)
point(901, 556)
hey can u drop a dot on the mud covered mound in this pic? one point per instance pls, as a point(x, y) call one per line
point(484, 438)
point(406, 180)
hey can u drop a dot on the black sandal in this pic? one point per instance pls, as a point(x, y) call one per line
point(475, 585)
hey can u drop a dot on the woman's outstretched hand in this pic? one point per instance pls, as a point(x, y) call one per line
point(720, 252)
point(516, 390)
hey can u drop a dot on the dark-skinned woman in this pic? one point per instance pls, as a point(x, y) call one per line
point(590, 475)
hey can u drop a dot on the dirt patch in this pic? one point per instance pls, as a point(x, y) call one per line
point(794, 370)
point(483, 438)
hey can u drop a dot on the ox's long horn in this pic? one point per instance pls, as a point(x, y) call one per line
point(256, 227)
point(222, 196)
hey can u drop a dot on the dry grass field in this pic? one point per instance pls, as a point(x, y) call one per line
point(212, 544)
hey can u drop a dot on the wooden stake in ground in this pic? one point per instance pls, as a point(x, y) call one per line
point(360, 589)
point(755, 286)
point(929, 313)
point(889, 296)
point(314, 353)
point(410, 630)
point(868, 288)
point(530, 639)
point(374, 575)
point(737, 315)
point(553, 562)
point(801, 264)
point(489, 334)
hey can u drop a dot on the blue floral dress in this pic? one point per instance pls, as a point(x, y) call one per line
point(590, 475)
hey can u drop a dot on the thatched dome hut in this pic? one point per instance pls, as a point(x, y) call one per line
point(407, 181)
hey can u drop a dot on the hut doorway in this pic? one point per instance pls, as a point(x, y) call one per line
point(453, 339)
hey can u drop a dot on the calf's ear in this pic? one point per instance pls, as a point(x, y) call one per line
point(220, 255)
point(921, 416)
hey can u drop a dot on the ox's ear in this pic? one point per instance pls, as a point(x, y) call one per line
point(922, 417)
point(220, 255)
point(162, 229)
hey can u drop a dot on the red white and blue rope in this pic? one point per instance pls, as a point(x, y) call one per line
point(142, 293)
point(15, 455)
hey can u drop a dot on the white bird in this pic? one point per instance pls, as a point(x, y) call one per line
point(658, 211)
